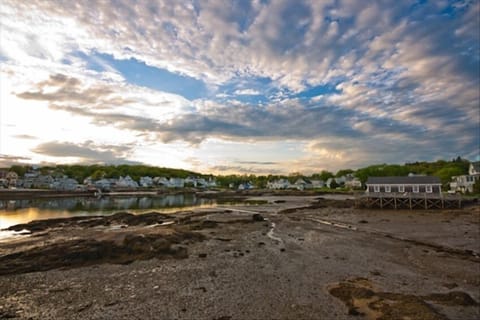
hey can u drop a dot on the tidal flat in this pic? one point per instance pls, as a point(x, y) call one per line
point(285, 257)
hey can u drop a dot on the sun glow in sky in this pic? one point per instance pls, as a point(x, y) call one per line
point(239, 86)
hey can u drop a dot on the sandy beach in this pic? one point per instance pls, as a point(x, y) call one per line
point(279, 257)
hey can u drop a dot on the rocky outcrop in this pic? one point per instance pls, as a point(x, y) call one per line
point(84, 252)
point(257, 217)
point(121, 218)
point(360, 298)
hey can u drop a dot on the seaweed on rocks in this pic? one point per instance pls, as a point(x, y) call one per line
point(85, 252)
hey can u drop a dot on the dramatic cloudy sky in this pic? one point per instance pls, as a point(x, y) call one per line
point(239, 86)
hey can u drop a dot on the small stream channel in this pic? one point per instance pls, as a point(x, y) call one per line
point(271, 235)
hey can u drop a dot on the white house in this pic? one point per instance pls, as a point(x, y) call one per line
point(64, 184)
point(170, 183)
point(189, 181)
point(245, 186)
point(409, 184)
point(146, 182)
point(341, 180)
point(211, 183)
point(42, 182)
point(464, 183)
point(161, 181)
point(12, 178)
point(302, 184)
point(353, 183)
point(103, 184)
point(88, 181)
point(474, 168)
point(126, 182)
point(202, 183)
point(278, 184)
point(29, 178)
point(317, 184)
point(177, 183)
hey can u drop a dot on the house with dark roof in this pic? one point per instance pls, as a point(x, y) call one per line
point(302, 184)
point(413, 184)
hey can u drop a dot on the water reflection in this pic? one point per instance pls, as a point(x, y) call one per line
point(21, 211)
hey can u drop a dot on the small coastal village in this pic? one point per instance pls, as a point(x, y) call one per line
point(372, 243)
point(34, 178)
point(240, 160)
point(301, 245)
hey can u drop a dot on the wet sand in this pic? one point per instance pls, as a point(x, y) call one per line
point(287, 257)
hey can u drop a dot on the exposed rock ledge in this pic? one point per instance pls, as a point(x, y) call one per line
point(120, 239)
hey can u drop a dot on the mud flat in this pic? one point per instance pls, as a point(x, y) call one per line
point(280, 257)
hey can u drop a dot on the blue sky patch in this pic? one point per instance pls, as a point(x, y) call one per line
point(138, 73)
point(247, 89)
point(317, 91)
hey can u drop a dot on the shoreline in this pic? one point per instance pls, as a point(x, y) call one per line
point(287, 257)
point(14, 194)
point(21, 194)
point(25, 194)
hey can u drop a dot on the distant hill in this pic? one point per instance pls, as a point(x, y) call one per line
point(80, 172)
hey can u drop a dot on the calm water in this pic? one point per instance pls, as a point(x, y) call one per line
point(21, 211)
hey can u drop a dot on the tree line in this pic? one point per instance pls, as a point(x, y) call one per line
point(441, 168)
point(80, 172)
point(445, 170)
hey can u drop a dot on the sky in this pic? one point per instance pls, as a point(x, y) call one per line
point(245, 87)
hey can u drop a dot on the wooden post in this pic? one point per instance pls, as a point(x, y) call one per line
point(395, 201)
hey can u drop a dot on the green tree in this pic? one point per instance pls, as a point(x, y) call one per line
point(261, 182)
point(333, 184)
point(20, 170)
point(294, 176)
point(476, 187)
point(323, 175)
point(98, 174)
point(343, 172)
point(446, 173)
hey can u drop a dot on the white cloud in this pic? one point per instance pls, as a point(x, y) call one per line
point(247, 92)
point(401, 72)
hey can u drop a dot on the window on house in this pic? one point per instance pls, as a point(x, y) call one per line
point(401, 188)
point(428, 189)
point(376, 188)
point(415, 189)
point(387, 188)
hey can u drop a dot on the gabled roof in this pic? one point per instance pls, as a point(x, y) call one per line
point(404, 180)
point(303, 181)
